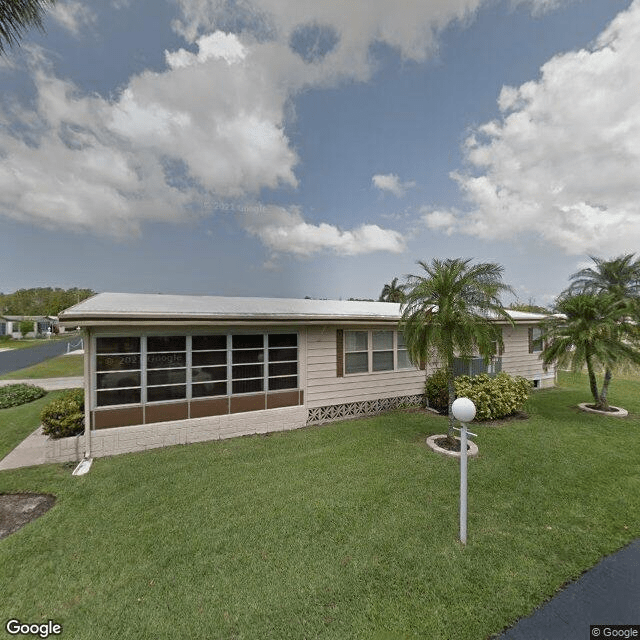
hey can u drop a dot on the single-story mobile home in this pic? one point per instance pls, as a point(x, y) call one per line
point(38, 325)
point(170, 369)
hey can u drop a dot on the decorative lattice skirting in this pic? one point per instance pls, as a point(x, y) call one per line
point(320, 415)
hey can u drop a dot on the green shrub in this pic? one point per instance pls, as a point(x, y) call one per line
point(26, 327)
point(436, 391)
point(495, 397)
point(15, 394)
point(65, 416)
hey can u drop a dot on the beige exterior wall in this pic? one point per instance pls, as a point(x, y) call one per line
point(324, 387)
point(517, 361)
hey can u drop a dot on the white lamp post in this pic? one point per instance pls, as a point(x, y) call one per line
point(464, 411)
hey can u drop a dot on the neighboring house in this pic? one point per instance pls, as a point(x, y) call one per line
point(41, 325)
point(184, 368)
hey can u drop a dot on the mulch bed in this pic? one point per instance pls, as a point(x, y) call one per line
point(18, 509)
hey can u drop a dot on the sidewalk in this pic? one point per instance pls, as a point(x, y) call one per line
point(49, 384)
point(30, 452)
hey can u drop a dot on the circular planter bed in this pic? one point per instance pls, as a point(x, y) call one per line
point(614, 412)
point(432, 443)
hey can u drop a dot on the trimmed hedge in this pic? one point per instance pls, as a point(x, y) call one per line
point(65, 416)
point(494, 397)
point(14, 395)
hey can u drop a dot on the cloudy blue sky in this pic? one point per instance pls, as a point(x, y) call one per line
point(316, 147)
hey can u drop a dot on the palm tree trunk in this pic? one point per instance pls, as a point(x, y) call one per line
point(592, 380)
point(603, 402)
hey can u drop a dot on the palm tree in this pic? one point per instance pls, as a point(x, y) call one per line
point(393, 292)
point(618, 277)
point(16, 16)
point(593, 329)
point(448, 312)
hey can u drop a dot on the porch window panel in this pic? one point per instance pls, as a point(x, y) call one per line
point(118, 362)
point(118, 380)
point(288, 382)
point(208, 358)
point(206, 374)
point(247, 371)
point(209, 343)
point(166, 343)
point(173, 392)
point(118, 345)
point(166, 376)
point(118, 396)
point(247, 386)
point(247, 341)
point(247, 356)
point(166, 360)
point(283, 355)
point(205, 389)
point(283, 368)
point(283, 340)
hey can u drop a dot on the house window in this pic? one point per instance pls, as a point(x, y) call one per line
point(382, 351)
point(247, 358)
point(186, 367)
point(535, 339)
point(371, 351)
point(356, 351)
point(117, 371)
point(166, 368)
point(283, 361)
point(208, 366)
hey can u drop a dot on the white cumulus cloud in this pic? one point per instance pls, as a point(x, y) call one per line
point(563, 159)
point(286, 231)
point(211, 125)
point(392, 183)
point(72, 15)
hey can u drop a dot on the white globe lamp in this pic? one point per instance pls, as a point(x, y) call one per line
point(463, 410)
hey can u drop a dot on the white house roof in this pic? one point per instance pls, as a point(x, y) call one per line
point(112, 307)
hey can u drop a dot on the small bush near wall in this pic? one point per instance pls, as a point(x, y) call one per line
point(436, 391)
point(65, 416)
point(26, 327)
point(13, 395)
point(495, 397)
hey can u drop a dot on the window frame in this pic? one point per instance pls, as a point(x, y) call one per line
point(370, 351)
point(188, 367)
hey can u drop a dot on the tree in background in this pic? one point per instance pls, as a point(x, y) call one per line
point(17, 16)
point(448, 311)
point(41, 301)
point(593, 330)
point(619, 278)
point(392, 292)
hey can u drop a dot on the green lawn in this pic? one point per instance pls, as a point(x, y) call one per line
point(60, 367)
point(343, 531)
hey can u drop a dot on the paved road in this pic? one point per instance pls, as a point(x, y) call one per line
point(21, 358)
point(607, 594)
